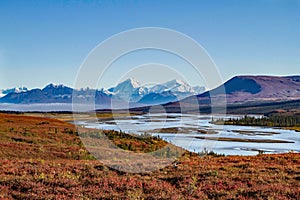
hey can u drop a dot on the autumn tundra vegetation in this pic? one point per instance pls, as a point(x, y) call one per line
point(44, 158)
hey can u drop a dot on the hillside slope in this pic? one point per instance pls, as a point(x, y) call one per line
point(245, 91)
point(241, 89)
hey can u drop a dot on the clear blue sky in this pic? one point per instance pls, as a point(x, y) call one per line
point(46, 41)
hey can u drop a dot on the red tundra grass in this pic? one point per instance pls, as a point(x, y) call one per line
point(43, 158)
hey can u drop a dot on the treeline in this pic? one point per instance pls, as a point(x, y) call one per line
point(272, 120)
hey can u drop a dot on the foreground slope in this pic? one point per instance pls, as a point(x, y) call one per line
point(43, 158)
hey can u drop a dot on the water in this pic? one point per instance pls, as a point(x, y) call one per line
point(188, 126)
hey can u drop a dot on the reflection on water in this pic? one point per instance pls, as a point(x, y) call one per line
point(195, 133)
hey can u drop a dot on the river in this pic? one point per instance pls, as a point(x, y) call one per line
point(196, 133)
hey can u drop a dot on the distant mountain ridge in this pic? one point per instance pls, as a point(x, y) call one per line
point(129, 90)
point(241, 90)
point(49, 94)
point(10, 90)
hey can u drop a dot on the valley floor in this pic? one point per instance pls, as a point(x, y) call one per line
point(42, 158)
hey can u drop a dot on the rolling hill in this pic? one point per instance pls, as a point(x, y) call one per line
point(246, 94)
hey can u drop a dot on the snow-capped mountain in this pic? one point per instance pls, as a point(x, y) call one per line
point(58, 91)
point(173, 86)
point(129, 90)
point(178, 88)
point(11, 90)
point(50, 94)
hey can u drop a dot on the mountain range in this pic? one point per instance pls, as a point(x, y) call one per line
point(129, 90)
point(246, 91)
point(11, 90)
point(238, 91)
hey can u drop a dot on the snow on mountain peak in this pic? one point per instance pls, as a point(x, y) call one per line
point(179, 81)
point(173, 86)
point(135, 83)
point(13, 90)
point(125, 89)
point(129, 90)
point(21, 89)
point(54, 85)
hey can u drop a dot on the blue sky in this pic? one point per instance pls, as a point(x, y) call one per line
point(46, 41)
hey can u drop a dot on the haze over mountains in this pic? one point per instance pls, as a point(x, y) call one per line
point(240, 90)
